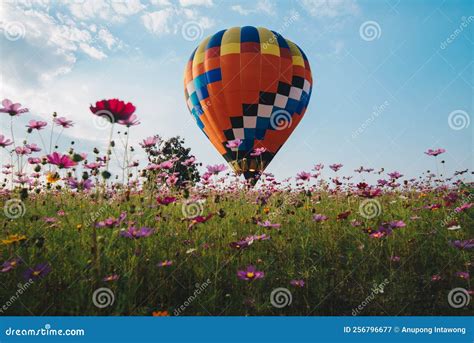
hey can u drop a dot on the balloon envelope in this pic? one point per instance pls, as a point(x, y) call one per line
point(247, 86)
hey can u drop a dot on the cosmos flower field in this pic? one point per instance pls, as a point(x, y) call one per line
point(81, 238)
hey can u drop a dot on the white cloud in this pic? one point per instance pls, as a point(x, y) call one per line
point(161, 3)
point(262, 6)
point(171, 19)
point(158, 22)
point(330, 8)
point(107, 38)
point(110, 10)
point(186, 3)
point(92, 52)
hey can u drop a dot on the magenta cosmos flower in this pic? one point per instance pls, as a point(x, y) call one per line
point(65, 123)
point(36, 125)
point(303, 176)
point(11, 108)
point(114, 110)
point(62, 161)
point(135, 232)
point(336, 166)
point(435, 152)
point(165, 200)
point(250, 273)
point(297, 283)
point(4, 142)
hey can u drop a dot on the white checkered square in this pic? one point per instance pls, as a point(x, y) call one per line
point(190, 88)
point(239, 133)
point(265, 111)
point(250, 122)
point(295, 93)
point(306, 86)
point(281, 100)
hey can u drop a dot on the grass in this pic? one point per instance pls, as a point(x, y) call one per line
point(339, 262)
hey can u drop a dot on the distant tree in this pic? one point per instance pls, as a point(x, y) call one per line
point(174, 149)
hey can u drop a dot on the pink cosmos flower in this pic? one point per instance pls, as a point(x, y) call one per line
point(33, 147)
point(65, 123)
point(336, 166)
point(234, 144)
point(22, 150)
point(189, 162)
point(109, 278)
point(130, 121)
point(257, 152)
point(268, 224)
point(36, 125)
point(463, 207)
point(34, 160)
point(62, 161)
point(318, 167)
point(4, 142)
point(216, 169)
point(11, 108)
point(435, 152)
point(395, 175)
point(149, 142)
point(319, 218)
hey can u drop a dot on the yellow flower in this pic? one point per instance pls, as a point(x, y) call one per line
point(52, 177)
point(13, 239)
point(266, 210)
point(79, 227)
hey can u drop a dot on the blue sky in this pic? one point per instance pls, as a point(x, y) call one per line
point(387, 74)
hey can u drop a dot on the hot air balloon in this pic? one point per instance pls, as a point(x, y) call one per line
point(247, 88)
